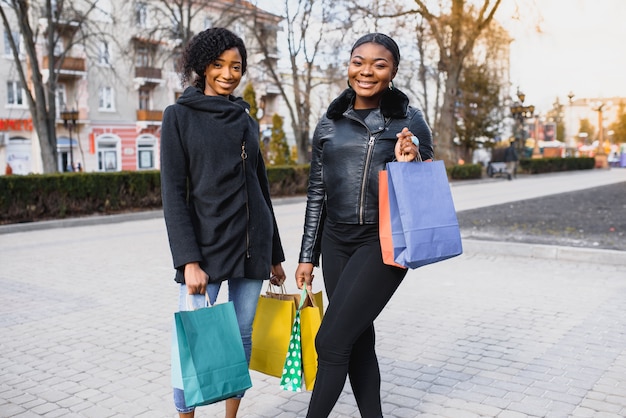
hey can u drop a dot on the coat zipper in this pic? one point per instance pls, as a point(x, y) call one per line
point(244, 156)
point(368, 158)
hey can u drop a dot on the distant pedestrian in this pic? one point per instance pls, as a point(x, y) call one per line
point(511, 159)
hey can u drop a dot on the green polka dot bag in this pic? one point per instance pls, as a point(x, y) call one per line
point(291, 378)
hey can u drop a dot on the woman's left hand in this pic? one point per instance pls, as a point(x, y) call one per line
point(278, 275)
point(405, 149)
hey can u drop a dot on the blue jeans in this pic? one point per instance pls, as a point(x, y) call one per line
point(244, 293)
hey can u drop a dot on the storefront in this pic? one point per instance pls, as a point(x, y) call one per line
point(16, 146)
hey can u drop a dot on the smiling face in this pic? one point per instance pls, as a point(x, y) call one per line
point(224, 74)
point(370, 72)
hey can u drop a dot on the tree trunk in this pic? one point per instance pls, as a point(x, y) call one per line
point(446, 130)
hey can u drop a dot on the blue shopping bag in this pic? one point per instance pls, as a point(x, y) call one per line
point(424, 225)
point(213, 363)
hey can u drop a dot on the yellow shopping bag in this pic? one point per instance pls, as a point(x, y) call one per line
point(271, 331)
point(310, 320)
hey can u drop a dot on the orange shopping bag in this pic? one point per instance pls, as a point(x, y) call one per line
point(384, 221)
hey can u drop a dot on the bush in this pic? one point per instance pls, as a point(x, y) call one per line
point(288, 180)
point(465, 171)
point(38, 197)
point(551, 165)
point(52, 196)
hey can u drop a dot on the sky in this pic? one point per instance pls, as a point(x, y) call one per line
point(581, 48)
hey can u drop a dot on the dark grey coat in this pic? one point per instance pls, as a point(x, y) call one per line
point(215, 190)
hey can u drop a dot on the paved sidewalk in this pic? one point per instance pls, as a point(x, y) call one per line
point(502, 331)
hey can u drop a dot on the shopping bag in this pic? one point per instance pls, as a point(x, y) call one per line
point(272, 326)
point(311, 314)
point(424, 225)
point(271, 330)
point(212, 359)
point(291, 377)
point(384, 220)
point(294, 371)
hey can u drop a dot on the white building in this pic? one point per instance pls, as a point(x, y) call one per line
point(118, 81)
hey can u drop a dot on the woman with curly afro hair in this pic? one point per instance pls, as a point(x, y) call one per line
point(216, 201)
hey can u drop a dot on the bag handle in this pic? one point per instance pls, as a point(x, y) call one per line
point(270, 288)
point(306, 294)
point(190, 306)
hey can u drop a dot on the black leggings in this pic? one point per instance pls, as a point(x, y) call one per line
point(358, 285)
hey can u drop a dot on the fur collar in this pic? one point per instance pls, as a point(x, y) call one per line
point(394, 104)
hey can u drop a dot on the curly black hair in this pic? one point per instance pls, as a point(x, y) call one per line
point(203, 49)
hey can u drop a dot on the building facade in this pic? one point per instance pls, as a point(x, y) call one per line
point(115, 74)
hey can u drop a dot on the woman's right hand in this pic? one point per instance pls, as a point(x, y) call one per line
point(304, 275)
point(195, 279)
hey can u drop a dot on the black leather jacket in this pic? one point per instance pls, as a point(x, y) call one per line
point(347, 155)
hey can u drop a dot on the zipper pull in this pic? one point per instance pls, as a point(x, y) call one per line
point(244, 155)
point(371, 141)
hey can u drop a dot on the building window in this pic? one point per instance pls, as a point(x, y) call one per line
point(141, 15)
point(177, 24)
point(59, 45)
point(144, 99)
point(105, 98)
point(61, 99)
point(146, 150)
point(15, 94)
point(142, 58)
point(104, 55)
point(108, 154)
point(8, 50)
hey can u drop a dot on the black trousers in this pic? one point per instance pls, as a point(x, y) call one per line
point(358, 285)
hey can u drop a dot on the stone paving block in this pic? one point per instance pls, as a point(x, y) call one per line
point(468, 395)
point(542, 327)
point(512, 414)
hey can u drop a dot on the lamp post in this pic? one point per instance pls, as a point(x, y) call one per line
point(69, 121)
point(601, 157)
point(536, 152)
point(571, 141)
point(521, 113)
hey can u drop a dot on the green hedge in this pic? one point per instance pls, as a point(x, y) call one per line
point(39, 197)
point(288, 180)
point(551, 165)
point(52, 196)
point(465, 171)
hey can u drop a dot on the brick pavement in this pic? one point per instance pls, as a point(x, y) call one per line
point(85, 319)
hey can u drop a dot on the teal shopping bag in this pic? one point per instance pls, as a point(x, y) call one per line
point(212, 359)
point(424, 225)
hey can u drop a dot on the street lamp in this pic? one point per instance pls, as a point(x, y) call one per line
point(571, 141)
point(521, 113)
point(601, 158)
point(69, 121)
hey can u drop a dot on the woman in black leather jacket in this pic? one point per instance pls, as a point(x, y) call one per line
point(368, 125)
